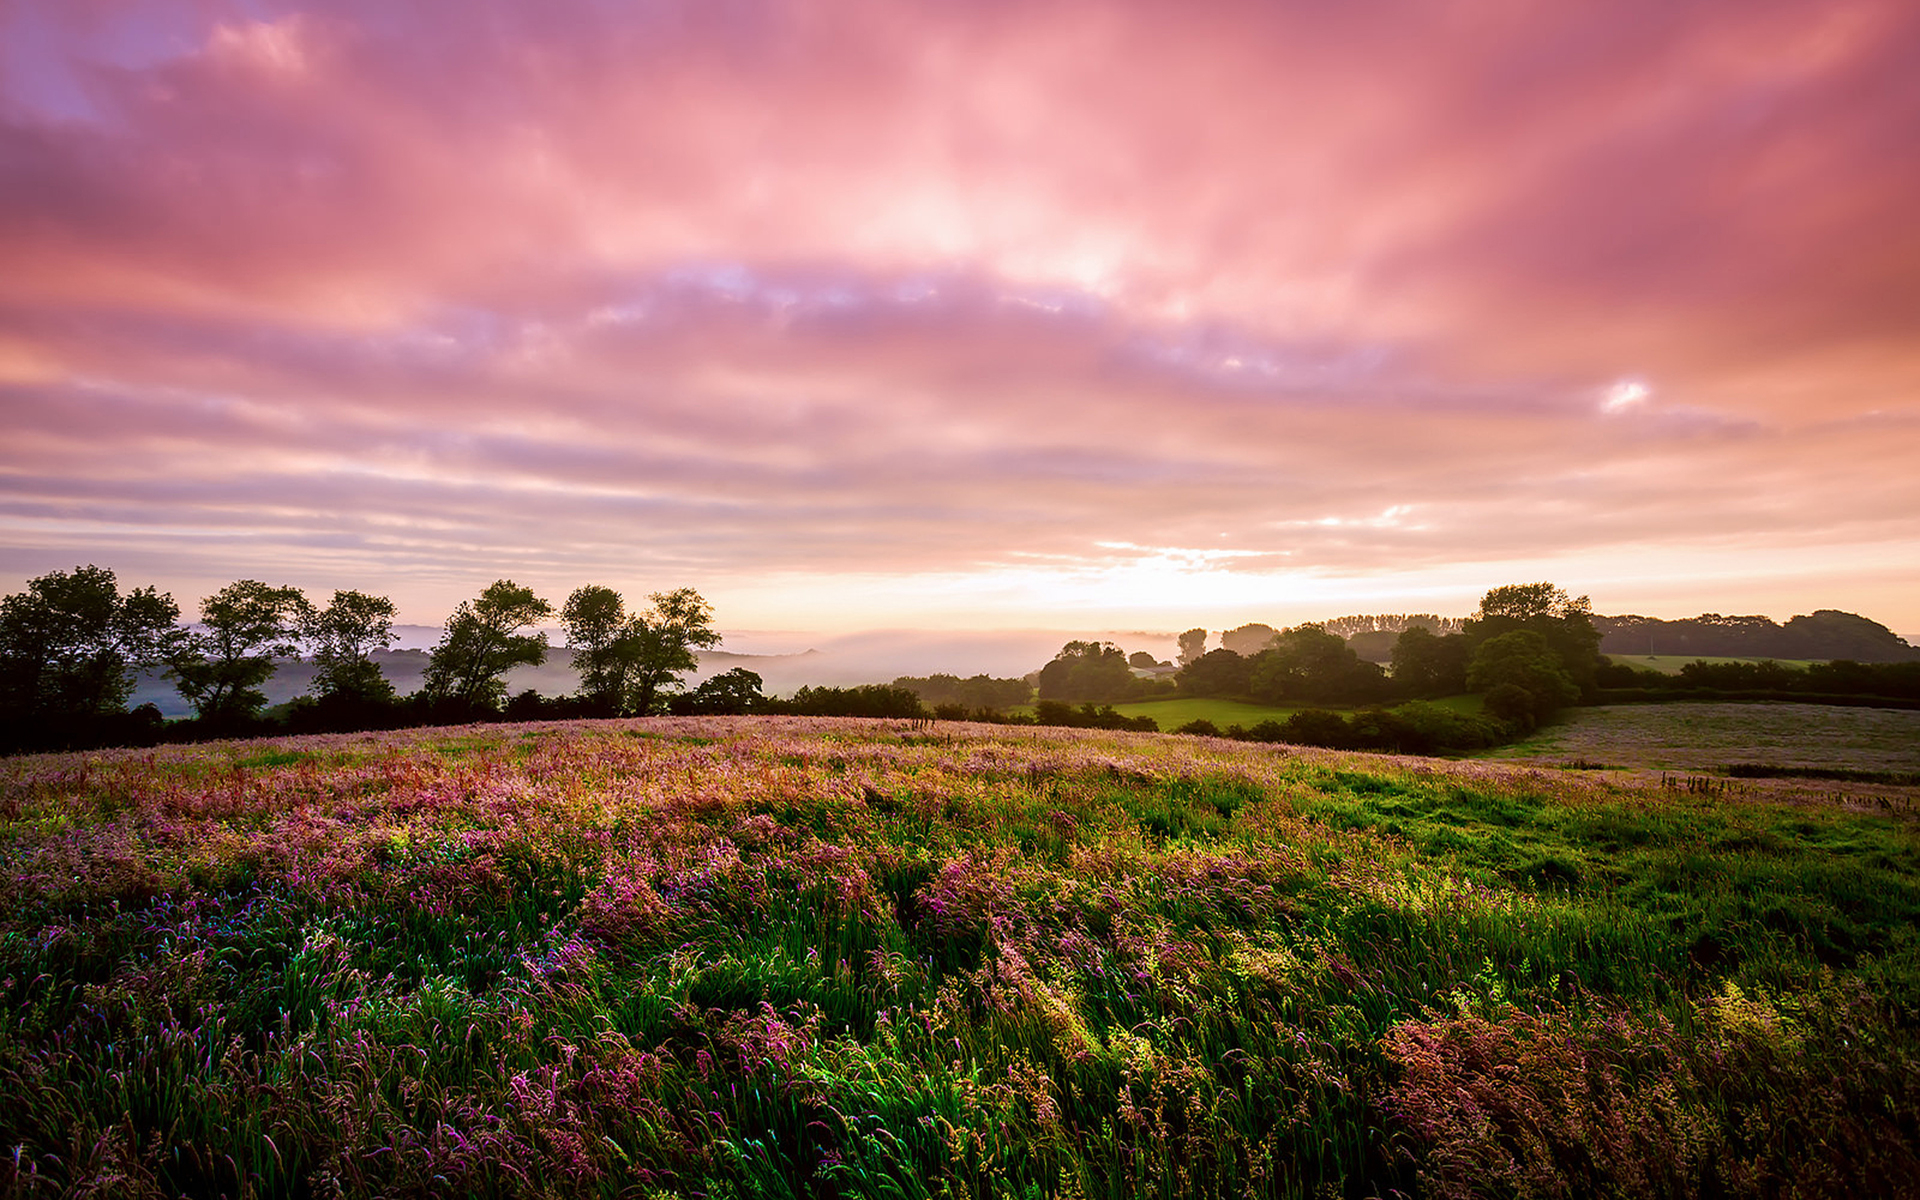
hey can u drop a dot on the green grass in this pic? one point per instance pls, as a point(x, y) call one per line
point(1173, 713)
point(737, 957)
point(1670, 664)
point(1176, 712)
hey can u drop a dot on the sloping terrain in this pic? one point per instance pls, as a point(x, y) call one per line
point(765, 956)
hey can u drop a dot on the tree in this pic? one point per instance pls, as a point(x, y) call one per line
point(1524, 602)
point(629, 663)
point(595, 619)
point(1193, 643)
point(1216, 673)
point(1249, 639)
point(1140, 660)
point(1429, 665)
point(1088, 673)
point(342, 638)
point(1566, 623)
point(71, 644)
point(733, 691)
point(244, 626)
point(1523, 677)
point(1308, 663)
point(482, 642)
point(974, 694)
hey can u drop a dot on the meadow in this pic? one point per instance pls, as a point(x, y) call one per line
point(816, 957)
point(1710, 737)
point(1177, 711)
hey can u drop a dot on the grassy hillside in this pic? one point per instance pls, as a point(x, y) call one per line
point(734, 957)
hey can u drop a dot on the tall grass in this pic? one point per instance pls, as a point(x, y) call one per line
point(800, 957)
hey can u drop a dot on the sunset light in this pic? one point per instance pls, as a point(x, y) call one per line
point(968, 304)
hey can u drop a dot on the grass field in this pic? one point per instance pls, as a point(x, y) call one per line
point(1177, 712)
point(804, 957)
point(1712, 736)
point(1670, 664)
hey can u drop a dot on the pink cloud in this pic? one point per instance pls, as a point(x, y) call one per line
point(893, 289)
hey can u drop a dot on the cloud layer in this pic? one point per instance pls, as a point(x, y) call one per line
point(890, 311)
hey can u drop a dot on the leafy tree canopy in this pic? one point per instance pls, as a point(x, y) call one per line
point(1308, 663)
point(1426, 664)
point(1524, 668)
point(71, 643)
point(1249, 639)
point(629, 663)
point(1088, 672)
point(1526, 601)
point(1216, 673)
point(1566, 622)
point(1193, 643)
point(244, 626)
point(482, 642)
point(342, 638)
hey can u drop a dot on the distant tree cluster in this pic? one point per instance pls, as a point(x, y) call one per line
point(1394, 623)
point(72, 646)
point(1417, 727)
point(1825, 634)
point(1095, 673)
point(1531, 648)
point(948, 695)
point(1767, 679)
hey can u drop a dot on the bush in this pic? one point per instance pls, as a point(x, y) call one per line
point(1318, 727)
point(1200, 727)
point(1515, 705)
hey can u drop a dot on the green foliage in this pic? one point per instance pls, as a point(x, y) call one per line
point(1566, 624)
point(1427, 665)
point(71, 643)
point(1088, 672)
point(341, 639)
point(630, 664)
point(978, 693)
point(864, 700)
point(1217, 673)
point(482, 642)
point(732, 691)
point(1525, 680)
point(1249, 639)
point(244, 626)
point(1308, 664)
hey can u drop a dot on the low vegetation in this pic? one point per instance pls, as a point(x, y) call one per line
point(792, 956)
point(1713, 737)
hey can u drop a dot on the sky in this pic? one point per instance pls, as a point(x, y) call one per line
point(968, 314)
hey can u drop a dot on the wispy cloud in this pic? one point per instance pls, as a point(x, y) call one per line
point(1261, 296)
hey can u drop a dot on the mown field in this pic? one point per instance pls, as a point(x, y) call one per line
point(1706, 737)
point(767, 956)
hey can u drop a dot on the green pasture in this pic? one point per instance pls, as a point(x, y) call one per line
point(1176, 712)
point(1173, 713)
point(1670, 664)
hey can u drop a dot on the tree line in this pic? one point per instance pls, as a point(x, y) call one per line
point(1531, 648)
point(72, 646)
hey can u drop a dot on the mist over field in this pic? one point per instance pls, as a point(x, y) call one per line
point(785, 660)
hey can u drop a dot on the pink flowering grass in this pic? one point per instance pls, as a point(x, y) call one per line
point(795, 956)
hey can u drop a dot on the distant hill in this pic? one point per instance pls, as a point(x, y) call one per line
point(1825, 634)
